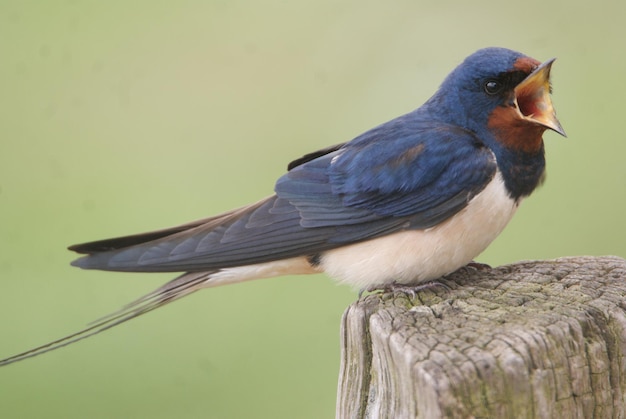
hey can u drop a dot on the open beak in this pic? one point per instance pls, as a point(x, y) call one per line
point(532, 97)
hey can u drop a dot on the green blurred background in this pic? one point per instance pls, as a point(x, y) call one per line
point(121, 117)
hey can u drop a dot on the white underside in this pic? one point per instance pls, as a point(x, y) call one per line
point(416, 256)
point(408, 257)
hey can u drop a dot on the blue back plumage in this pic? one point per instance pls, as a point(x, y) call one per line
point(409, 167)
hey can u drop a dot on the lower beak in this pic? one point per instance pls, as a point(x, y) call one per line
point(532, 97)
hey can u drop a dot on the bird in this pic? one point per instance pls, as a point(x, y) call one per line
point(405, 203)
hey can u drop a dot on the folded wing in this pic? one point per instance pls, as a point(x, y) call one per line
point(401, 175)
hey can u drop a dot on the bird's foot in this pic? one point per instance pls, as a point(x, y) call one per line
point(412, 290)
point(478, 266)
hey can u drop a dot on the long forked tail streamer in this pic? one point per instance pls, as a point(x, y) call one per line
point(171, 291)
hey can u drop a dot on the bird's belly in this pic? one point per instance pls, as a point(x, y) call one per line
point(415, 256)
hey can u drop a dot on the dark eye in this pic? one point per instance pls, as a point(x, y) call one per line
point(493, 87)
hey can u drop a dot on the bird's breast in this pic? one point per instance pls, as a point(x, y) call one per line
point(416, 256)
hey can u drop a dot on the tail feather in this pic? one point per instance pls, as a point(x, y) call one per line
point(171, 291)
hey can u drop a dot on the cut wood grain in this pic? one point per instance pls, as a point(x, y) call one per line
point(539, 339)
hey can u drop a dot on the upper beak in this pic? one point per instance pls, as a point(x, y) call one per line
point(532, 97)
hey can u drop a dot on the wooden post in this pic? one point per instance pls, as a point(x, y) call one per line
point(541, 339)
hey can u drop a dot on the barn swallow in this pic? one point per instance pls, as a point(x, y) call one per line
point(407, 202)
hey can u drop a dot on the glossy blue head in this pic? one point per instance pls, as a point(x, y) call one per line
point(502, 94)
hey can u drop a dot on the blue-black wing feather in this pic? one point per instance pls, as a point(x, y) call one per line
point(405, 174)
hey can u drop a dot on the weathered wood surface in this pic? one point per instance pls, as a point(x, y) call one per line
point(542, 339)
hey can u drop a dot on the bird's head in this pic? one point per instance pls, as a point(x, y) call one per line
point(504, 92)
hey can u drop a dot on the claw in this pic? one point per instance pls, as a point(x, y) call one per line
point(479, 266)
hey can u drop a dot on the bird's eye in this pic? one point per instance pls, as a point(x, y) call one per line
point(493, 87)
